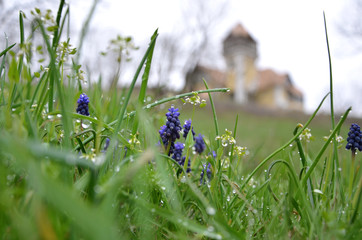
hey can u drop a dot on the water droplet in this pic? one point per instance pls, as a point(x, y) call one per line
point(13, 109)
point(59, 115)
point(97, 189)
point(211, 211)
point(50, 116)
point(183, 179)
point(163, 188)
point(148, 106)
point(117, 169)
point(85, 124)
point(228, 198)
point(228, 90)
point(210, 229)
point(291, 145)
point(339, 169)
point(131, 159)
point(234, 191)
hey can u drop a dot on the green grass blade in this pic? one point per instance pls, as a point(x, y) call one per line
point(318, 157)
point(285, 145)
point(56, 30)
point(129, 93)
point(142, 93)
point(214, 113)
point(55, 76)
point(6, 50)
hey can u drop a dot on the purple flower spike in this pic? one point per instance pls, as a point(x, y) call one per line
point(83, 105)
point(171, 131)
point(187, 127)
point(199, 144)
point(354, 138)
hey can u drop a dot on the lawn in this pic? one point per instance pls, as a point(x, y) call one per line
point(80, 162)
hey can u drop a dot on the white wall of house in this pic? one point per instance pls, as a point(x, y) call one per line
point(279, 96)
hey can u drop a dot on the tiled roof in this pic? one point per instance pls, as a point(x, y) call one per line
point(268, 78)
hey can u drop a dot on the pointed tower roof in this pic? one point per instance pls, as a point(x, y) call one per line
point(239, 31)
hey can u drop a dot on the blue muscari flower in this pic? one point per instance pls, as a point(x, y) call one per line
point(182, 163)
point(177, 152)
point(199, 144)
point(354, 140)
point(171, 131)
point(83, 104)
point(106, 144)
point(187, 127)
point(208, 173)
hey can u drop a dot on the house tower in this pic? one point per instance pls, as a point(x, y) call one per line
point(240, 53)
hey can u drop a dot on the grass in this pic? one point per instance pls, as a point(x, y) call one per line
point(60, 180)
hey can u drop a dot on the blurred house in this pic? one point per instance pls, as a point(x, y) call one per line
point(249, 85)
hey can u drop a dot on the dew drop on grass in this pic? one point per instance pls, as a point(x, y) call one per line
point(228, 198)
point(148, 106)
point(234, 191)
point(59, 115)
point(163, 188)
point(50, 116)
point(85, 124)
point(340, 169)
point(291, 145)
point(97, 189)
point(210, 229)
point(183, 179)
point(117, 169)
point(211, 211)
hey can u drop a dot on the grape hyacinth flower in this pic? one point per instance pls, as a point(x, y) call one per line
point(177, 152)
point(83, 105)
point(354, 138)
point(187, 127)
point(199, 144)
point(171, 131)
point(182, 163)
point(208, 173)
point(106, 145)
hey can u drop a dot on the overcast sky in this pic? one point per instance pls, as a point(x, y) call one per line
point(290, 37)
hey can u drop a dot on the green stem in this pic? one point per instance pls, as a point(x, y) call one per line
point(351, 174)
